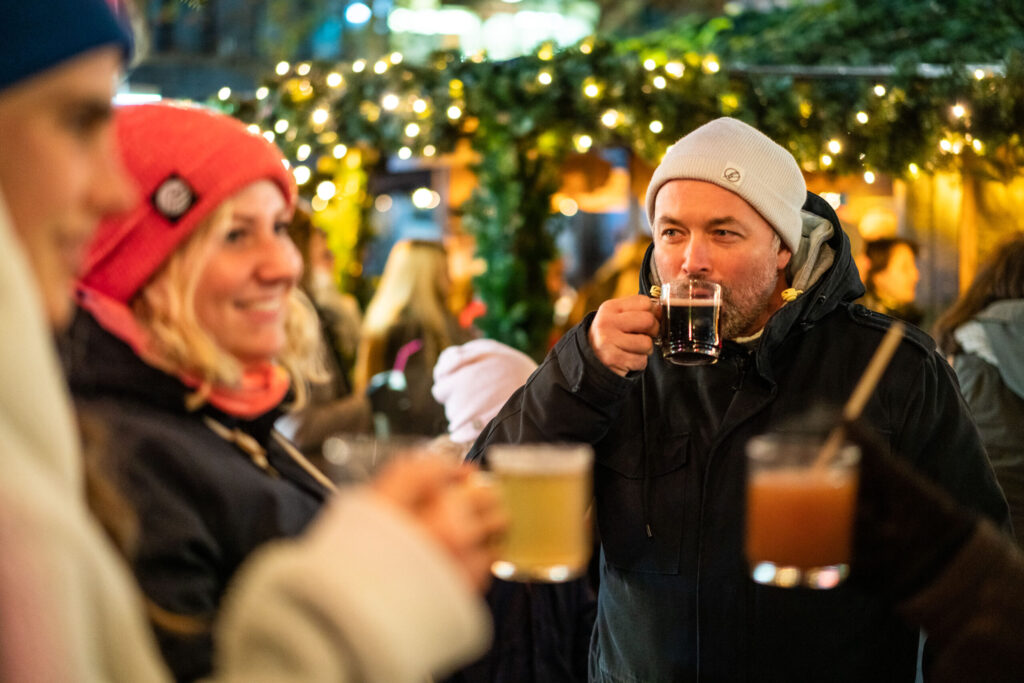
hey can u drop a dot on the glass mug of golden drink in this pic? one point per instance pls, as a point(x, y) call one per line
point(546, 491)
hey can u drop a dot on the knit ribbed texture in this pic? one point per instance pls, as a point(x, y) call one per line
point(186, 161)
point(37, 35)
point(743, 160)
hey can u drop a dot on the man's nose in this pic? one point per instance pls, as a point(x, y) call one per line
point(697, 257)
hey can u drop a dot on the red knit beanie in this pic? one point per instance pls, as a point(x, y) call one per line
point(186, 161)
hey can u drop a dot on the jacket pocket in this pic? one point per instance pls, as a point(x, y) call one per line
point(626, 506)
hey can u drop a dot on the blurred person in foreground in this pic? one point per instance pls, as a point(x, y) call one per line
point(891, 278)
point(406, 327)
point(940, 565)
point(728, 204)
point(332, 604)
point(541, 630)
point(983, 335)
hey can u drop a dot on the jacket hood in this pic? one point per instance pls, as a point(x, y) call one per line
point(997, 336)
point(822, 271)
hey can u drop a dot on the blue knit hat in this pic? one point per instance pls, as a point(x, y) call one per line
point(36, 35)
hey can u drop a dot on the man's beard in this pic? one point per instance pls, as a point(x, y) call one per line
point(744, 305)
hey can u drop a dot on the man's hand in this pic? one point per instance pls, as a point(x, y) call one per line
point(621, 333)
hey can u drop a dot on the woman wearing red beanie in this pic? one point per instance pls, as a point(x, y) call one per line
point(188, 345)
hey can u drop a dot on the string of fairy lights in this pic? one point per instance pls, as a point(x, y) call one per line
point(522, 118)
point(321, 112)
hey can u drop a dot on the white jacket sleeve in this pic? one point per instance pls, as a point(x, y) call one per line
point(363, 596)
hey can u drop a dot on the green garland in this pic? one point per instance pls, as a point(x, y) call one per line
point(522, 117)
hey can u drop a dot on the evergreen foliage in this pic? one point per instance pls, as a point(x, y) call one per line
point(793, 73)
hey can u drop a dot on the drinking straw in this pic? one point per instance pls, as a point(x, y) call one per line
point(865, 386)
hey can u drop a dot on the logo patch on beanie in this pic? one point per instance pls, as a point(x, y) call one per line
point(733, 174)
point(173, 198)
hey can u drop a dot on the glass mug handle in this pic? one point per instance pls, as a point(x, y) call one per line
point(655, 296)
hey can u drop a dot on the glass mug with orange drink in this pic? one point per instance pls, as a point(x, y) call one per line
point(800, 510)
point(546, 491)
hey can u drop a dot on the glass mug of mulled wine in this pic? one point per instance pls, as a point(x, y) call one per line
point(690, 309)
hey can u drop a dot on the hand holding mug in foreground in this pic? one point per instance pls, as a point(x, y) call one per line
point(621, 333)
point(452, 506)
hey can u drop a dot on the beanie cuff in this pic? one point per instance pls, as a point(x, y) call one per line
point(738, 158)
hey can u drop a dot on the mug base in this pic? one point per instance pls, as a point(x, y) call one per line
point(785, 576)
point(553, 573)
point(693, 356)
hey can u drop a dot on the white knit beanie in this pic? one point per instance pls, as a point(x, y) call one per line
point(743, 160)
point(473, 381)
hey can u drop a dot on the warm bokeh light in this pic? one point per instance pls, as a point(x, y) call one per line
point(319, 116)
point(326, 190)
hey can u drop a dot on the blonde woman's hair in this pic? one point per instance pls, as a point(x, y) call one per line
point(412, 289)
point(179, 345)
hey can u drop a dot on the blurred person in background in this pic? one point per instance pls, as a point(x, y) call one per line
point(982, 334)
point(406, 327)
point(891, 278)
point(472, 381)
point(331, 406)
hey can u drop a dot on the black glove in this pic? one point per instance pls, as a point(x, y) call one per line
point(907, 529)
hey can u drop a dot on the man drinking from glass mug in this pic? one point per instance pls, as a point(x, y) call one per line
point(730, 206)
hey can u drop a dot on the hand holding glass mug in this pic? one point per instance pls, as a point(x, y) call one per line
point(452, 505)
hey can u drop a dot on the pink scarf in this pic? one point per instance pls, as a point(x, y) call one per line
point(261, 389)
